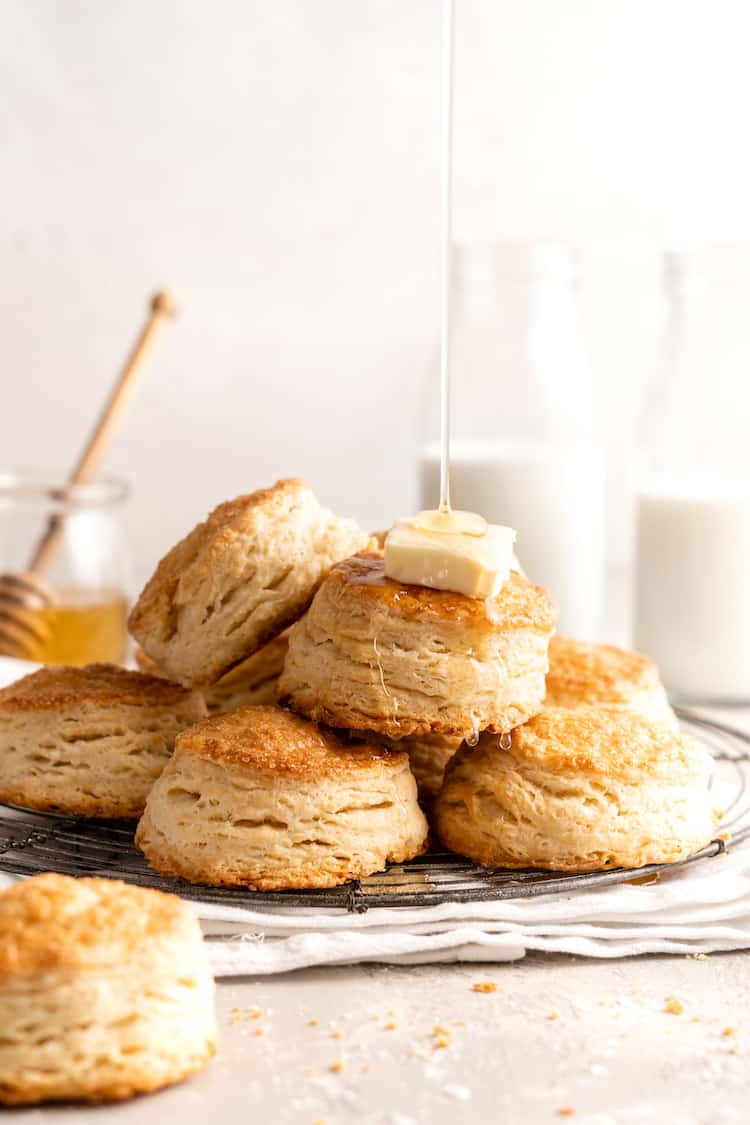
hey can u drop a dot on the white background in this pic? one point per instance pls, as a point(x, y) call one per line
point(276, 164)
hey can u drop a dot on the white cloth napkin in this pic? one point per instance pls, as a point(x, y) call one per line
point(701, 908)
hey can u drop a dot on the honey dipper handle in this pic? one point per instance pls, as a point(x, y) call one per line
point(163, 307)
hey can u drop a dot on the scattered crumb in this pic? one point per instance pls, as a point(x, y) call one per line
point(443, 1036)
point(260, 1031)
point(734, 1049)
point(336, 1034)
point(554, 1015)
point(695, 1019)
point(459, 1023)
point(337, 1066)
point(312, 1023)
point(254, 1013)
point(391, 1026)
point(673, 1006)
point(484, 986)
point(700, 956)
point(729, 1031)
point(566, 1111)
point(393, 1012)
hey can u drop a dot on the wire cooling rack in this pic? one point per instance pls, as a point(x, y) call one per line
point(35, 842)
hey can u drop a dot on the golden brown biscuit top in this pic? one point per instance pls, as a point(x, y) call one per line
point(602, 740)
point(518, 604)
point(58, 687)
point(590, 673)
point(54, 922)
point(271, 740)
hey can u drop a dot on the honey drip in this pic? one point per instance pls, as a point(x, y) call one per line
point(505, 741)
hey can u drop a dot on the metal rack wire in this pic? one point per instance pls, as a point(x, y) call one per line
point(35, 842)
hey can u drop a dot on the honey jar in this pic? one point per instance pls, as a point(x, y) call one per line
point(83, 618)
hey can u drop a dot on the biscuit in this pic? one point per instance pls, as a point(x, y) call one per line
point(261, 798)
point(238, 579)
point(373, 654)
point(251, 682)
point(428, 758)
point(89, 741)
point(105, 991)
point(582, 674)
point(578, 790)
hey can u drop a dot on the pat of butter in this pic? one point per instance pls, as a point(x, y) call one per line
point(464, 561)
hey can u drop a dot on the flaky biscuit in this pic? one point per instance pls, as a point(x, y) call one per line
point(252, 682)
point(105, 991)
point(583, 674)
point(262, 798)
point(89, 741)
point(238, 579)
point(373, 654)
point(578, 790)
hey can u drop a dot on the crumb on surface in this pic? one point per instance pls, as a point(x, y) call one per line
point(700, 957)
point(566, 1111)
point(673, 1006)
point(312, 1023)
point(260, 1031)
point(338, 1066)
point(484, 986)
point(391, 1026)
point(729, 1031)
point(554, 1015)
point(336, 1034)
point(254, 1013)
point(443, 1036)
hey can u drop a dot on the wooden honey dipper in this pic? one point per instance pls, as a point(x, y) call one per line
point(22, 634)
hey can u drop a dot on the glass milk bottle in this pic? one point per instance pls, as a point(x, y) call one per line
point(693, 503)
point(523, 450)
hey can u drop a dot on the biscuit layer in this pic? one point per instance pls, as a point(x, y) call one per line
point(238, 579)
point(578, 790)
point(372, 654)
point(261, 798)
point(105, 991)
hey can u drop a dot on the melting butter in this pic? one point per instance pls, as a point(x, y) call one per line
point(448, 550)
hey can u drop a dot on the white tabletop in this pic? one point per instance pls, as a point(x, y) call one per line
point(560, 1034)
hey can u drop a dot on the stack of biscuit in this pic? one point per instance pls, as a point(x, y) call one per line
point(319, 708)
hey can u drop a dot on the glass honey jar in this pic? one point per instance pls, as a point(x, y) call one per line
point(82, 616)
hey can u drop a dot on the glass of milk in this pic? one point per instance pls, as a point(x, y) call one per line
point(523, 451)
point(692, 598)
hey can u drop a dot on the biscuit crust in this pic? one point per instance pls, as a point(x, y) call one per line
point(579, 790)
point(264, 799)
point(583, 674)
point(57, 688)
point(105, 991)
point(238, 580)
point(89, 741)
point(373, 654)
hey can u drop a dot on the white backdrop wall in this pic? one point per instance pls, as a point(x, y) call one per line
point(276, 163)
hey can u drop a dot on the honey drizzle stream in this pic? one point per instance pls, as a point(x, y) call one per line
point(445, 251)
